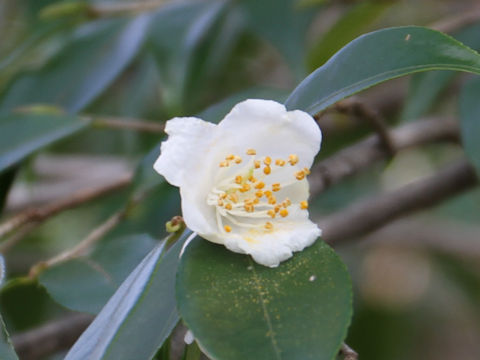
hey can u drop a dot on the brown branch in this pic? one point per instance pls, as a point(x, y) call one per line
point(366, 216)
point(38, 215)
point(348, 353)
point(353, 159)
point(50, 338)
point(128, 124)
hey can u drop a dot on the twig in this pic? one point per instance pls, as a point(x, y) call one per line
point(357, 157)
point(128, 124)
point(362, 111)
point(366, 216)
point(348, 353)
point(50, 338)
point(38, 215)
point(457, 21)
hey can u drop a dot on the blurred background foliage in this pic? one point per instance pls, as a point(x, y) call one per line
point(416, 285)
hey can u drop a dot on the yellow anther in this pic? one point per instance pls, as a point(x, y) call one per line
point(303, 205)
point(276, 187)
point(256, 201)
point(283, 212)
point(233, 197)
point(271, 213)
point(237, 159)
point(306, 171)
point(245, 188)
point(260, 185)
point(252, 179)
point(251, 152)
point(272, 200)
point(228, 206)
point(279, 162)
point(220, 202)
point(230, 157)
point(259, 194)
point(277, 208)
point(267, 160)
point(238, 179)
point(224, 164)
point(223, 196)
point(227, 228)
point(268, 193)
point(249, 208)
point(293, 159)
point(286, 202)
point(268, 225)
point(256, 164)
point(267, 170)
point(300, 175)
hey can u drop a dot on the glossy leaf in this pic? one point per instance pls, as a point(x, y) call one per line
point(83, 69)
point(143, 307)
point(6, 348)
point(470, 121)
point(23, 134)
point(86, 284)
point(238, 309)
point(377, 57)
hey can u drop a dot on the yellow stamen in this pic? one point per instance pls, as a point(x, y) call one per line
point(238, 179)
point(237, 159)
point(252, 179)
point(303, 205)
point(306, 171)
point(256, 164)
point(260, 185)
point(227, 228)
point(259, 193)
point(251, 152)
point(286, 203)
point(272, 200)
point(268, 193)
point(293, 159)
point(245, 188)
point(283, 212)
point(230, 157)
point(249, 208)
point(267, 170)
point(276, 187)
point(233, 197)
point(220, 202)
point(277, 208)
point(256, 201)
point(271, 213)
point(268, 225)
point(224, 164)
point(300, 175)
point(223, 196)
point(267, 160)
point(228, 206)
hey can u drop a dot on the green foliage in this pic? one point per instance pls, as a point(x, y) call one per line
point(238, 309)
point(470, 124)
point(6, 348)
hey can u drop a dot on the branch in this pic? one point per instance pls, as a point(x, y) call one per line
point(364, 217)
point(348, 353)
point(50, 338)
point(353, 159)
point(38, 215)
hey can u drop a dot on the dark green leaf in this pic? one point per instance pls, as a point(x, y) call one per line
point(470, 121)
point(349, 26)
point(238, 309)
point(379, 56)
point(23, 134)
point(83, 69)
point(6, 181)
point(142, 308)
point(6, 348)
point(86, 284)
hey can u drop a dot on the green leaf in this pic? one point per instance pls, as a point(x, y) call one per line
point(377, 57)
point(6, 348)
point(140, 316)
point(349, 26)
point(23, 134)
point(6, 181)
point(238, 309)
point(470, 121)
point(425, 88)
point(86, 284)
point(83, 69)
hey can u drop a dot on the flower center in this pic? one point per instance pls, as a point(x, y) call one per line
point(252, 192)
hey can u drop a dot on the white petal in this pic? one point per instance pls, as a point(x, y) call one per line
point(181, 153)
point(270, 249)
point(268, 128)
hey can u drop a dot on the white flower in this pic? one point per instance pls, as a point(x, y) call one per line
point(243, 182)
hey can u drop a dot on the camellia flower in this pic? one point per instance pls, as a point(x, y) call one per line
point(243, 182)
